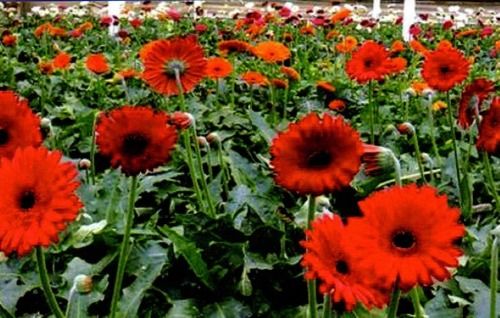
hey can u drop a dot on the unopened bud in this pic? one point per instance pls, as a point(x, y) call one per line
point(377, 160)
point(84, 164)
point(213, 137)
point(45, 123)
point(3, 258)
point(322, 202)
point(181, 120)
point(202, 141)
point(410, 92)
point(427, 159)
point(406, 129)
point(83, 284)
point(428, 93)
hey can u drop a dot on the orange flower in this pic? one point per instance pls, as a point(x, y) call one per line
point(97, 63)
point(231, 46)
point(307, 29)
point(340, 15)
point(279, 83)
point(272, 52)
point(337, 104)
point(397, 46)
point(347, 45)
point(444, 44)
point(397, 65)
point(497, 46)
point(465, 33)
point(127, 73)
point(419, 87)
point(418, 47)
point(9, 40)
point(332, 34)
point(290, 72)
point(218, 67)
point(255, 29)
point(146, 49)
point(86, 26)
point(41, 29)
point(254, 78)
point(57, 31)
point(46, 67)
point(62, 61)
point(325, 86)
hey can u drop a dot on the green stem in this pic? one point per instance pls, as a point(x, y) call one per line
point(371, 113)
point(393, 306)
point(124, 247)
point(44, 279)
point(491, 180)
point(432, 132)
point(209, 162)
point(311, 284)
point(493, 278)
point(397, 170)
point(416, 303)
point(92, 149)
point(225, 173)
point(454, 142)
point(204, 185)
point(217, 93)
point(285, 103)
point(418, 155)
point(327, 306)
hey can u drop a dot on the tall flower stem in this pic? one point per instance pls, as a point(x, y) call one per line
point(397, 169)
point(493, 277)
point(273, 104)
point(418, 154)
point(209, 162)
point(371, 113)
point(327, 306)
point(124, 247)
point(217, 93)
point(394, 304)
point(454, 142)
point(432, 131)
point(311, 284)
point(92, 149)
point(211, 207)
point(416, 303)
point(285, 102)
point(491, 180)
point(223, 167)
point(44, 279)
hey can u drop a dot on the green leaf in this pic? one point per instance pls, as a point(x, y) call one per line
point(438, 307)
point(481, 296)
point(184, 308)
point(258, 121)
point(230, 308)
point(191, 254)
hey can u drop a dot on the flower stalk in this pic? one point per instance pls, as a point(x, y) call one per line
point(311, 284)
point(45, 281)
point(493, 277)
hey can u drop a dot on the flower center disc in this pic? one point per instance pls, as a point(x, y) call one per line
point(341, 267)
point(319, 159)
point(4, 136)
point(444, 69)
point(403, 240)
point(134, 144)
point(174, 66)
point(27, 200)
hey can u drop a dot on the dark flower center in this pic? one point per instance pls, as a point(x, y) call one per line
point(319, 159)
point(27, 200)
point(4, 136)
point(368, 63)
point(175, 66)
point(341, 267)
point(403, 240)
point(134, 144)
point(444, 69)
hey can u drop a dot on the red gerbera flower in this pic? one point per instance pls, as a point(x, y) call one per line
point(62, 61)
point(136, 138)
point(489, 133)
point(38, 199)
point(368, 63)
point(97, 63)
point(444, 68)
point(473, 96)
point(19, 127)
point(328, 257)
point(406, 235)
point(168, 57)
point(316, 155)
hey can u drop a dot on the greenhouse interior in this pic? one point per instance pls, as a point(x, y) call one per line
point(237, 159)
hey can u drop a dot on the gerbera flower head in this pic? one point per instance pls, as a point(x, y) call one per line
point(337, 105)
point(472, 98)
point(377, 160)
point(368, 63)
point(410, 232)
point(397, 46)
point(328, 258)
point(38, 199)
point(218, 67)
point(182, 57)
point(444, 68)
point(340, 15)
point(325, 86)
point(136, 139)
point(489, 134)
point(19, 127)
point(290, 72)
point(272, 52)
point(254, 78)
point(62, 61)
point(234, 46)
point(97, 63)
point(347, 45)
point(46, 67)
point(396, 65)
point(279, 83)
point(316, 155)
point(9, 40)
point(418, 47)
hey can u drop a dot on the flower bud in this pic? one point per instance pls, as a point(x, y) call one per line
point(410, 92)
point(181, 120)
point(3, 257)
point(213, 137)
point(428, 93)
point(406, 129)
point(83, 284)
point(427, 159)
point(377, 160)
point(322, 202)
point(202, 141)
point(84, 164)
point(45, 123)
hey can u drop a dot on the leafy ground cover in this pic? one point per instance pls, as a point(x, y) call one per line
point(256, 124)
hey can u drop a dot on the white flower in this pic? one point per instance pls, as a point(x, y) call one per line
point(249, 5)
point(36, 9)
point(453, 9)
point(84, 3)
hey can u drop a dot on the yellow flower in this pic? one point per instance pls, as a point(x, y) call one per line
point(438, 105)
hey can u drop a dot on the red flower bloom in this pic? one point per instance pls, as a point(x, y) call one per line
point(489, 134)
point(97, 63)
point(396, 65)
point(19, 127)
point(136, 138)
point(444, 68)
point(328, 257)
point(406, 235)
point(168, 57)
point(62, 61)
point(472, 98)
point(135, 23)
point(38, 199)
point(9, 40)
point(218, 67)
point(368, 63)
point(316, 155)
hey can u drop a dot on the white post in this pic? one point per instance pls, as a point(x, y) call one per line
point(376, 9)
point(409, 16)
point(114, 9)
